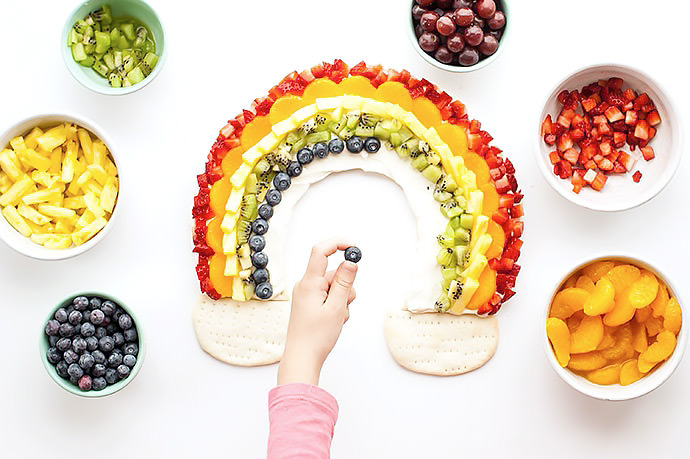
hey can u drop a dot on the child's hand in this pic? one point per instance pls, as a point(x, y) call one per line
point(319, 310)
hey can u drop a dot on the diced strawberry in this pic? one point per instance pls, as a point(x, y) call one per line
point(653, 118)
point(618, 168)
point(629, 95)
point(606, 165)
point(626, 160)
point(605, 147)
point(588, 104)
point(517, 211)
point(615, 83)
point(554, 157)
point(613, 114)
point(605, 129)
point(630, 117)
point(577, 134)
point(578, 177)
point(642, 130)
point(493, 161)
point(641, 101)
point(613, 156)
point(599, 119)
point(637, 176)
point(563, 96)
point(599, 181)
point(590, 164)
point(563, 121)
point(513, 182)
point(627, 107)
point(496, 173)
point(600, 109)
point(501, 216)
point(566, 170)
point(569, 113)
point(648, 108)
point(517, 196)
point(506, 201)
point(502, 185)
point(564, 142)
point(647, 153)
point(618, 139)
point(550, 139)
point(571, 155)
point(652, 133)
point(590, 150)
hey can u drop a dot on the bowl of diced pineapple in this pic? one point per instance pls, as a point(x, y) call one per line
point(59, 186)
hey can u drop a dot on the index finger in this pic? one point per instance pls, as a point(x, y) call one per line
point(318, 262)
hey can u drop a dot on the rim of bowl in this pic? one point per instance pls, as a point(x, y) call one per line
point(16, 240)
point(66, 384)
point(107, 90)
point(677, 137)
point(617, 392)
point(457, 68)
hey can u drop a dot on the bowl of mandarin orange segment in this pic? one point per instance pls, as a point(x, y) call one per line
point(614, 328)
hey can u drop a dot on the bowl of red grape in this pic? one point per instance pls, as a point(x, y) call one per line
point(459, 35)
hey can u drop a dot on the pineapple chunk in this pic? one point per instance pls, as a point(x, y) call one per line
point(52, 138)
point(283, 127)
point(228, 223)
point(98, 172)
point(69, 162)
point(65, 226)
point(5, 182)
point(477, 264)
point(32, 215)
point(16, 192)
point(238, 290)
point(71, 132)
point(31, 139)
point(18, 144)
point(11, 165)
point(234, 201)
point(328, 103)
point(99, 152)
point(109, 195)
point(110, 168)
point(33, 159)
point(304, 113)
point(474, 205)
point(55, 162)
point(469, 287)
point(40, 229)
point(86, 218)
point(374, 107)
point(13, 218)
point(89, 231)
point(231, 266)
point(351, 102)
point(230, 243)
point(479, 227)
point(44, 178)
point(86, 144)
point(58, 242)
point(93, 204)
point(483, 243)
point(268, 143)
point(252, 156)
point(55, 211)
point(49, 195)
point(240, 175)
point(75, 203)
point(92, 187)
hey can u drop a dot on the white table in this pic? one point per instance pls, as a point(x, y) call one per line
point(221, 56)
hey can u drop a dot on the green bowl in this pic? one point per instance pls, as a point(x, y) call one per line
point(134, 8)
point(65, 383)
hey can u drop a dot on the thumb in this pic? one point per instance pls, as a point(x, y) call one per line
point(341, 286)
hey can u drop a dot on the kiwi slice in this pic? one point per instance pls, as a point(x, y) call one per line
point(140, 39)
point(432, 173)
point(248, 288)
point(442, 196)
point(317, 137)
point(396, 139)
point(446, 257)
point(462, 236)
point(322, 121)
point(449, 273)
point(367, 120)
point(249, 208)
point(466, 221)
point(407, 148)
point(451, 209)
point(245, 274)
point(420, 163)
point(136, 75)
point(352, 119)
point(128, 31)
point(445, 283)
point(262, 166)
point(101, 68)
point(244, 251)
point(446, 239)
point(462, 202)
point(308, 127)
point(454, 291)
point(115, 80)
point(462, 254)
point(250, 186)
point(443, 303)
point(446, 183)
point(244, 230)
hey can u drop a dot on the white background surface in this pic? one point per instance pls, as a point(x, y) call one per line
point(221, 56)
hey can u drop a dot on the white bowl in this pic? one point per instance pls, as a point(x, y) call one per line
point(458, 68)
point(620, 192)
point(618, 392)
point(24, 245)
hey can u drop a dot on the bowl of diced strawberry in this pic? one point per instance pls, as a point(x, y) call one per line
point(609, 138)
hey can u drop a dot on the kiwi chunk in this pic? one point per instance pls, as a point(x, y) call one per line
point(454, 291)
point(451, 209)
point(249, 207)
point(244, 230)
point(466, 221)
point(244, 251)
point(443, 303)
point(250, 186)
point(432, 173)
point(248, 289)
point(352, 120)
point(446, 257)
point(420, 163)
point(462, 236)
point(446, 239)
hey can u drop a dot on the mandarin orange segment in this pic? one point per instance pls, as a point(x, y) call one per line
point(490, 201)
point(486, 289)
point(645, 366)
point(587, 336)
point(630, 372)
point(498, 240)
point(622, 350)
point(596, 271)
point(586, 362)
point(214, 235)
point(621, 313)
point(659, 304)
point(320, 88)
point(284, 107)
point(608, 341)
point(426, 112)
point(644, 290)
point(662, 348)
point(623, 276)
point(605, 376)
point(567, 302)
point(654, 325)
point(456, 138)
point(585, 283)
point(396, 93)
point(601, 299)
point(559, 336)
point(358, 85)
point(574, 320)
point(232, 161)
point(673, 316)
point(220, 282)
point(642, 314)
point(254, 131)
point(571, 281)
point(639, 341)
point(478, 165)
point(220, 192)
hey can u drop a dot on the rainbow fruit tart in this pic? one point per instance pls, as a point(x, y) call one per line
point(331, 118)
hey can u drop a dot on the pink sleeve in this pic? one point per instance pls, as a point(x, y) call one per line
point(302, 418)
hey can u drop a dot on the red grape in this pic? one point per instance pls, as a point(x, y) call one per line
point(417, 12)
point(418, 30)
point(429, 42)
point(444, 4)
point(463, 17)
point(489, 45)
point(462, 4)
point(455, 42)
point(498, 21)
point(469, 56)
point(425, 3)
point(428, 21)
point(443, 55)
point(445, 26)
point(486, 8)
point(474, 35)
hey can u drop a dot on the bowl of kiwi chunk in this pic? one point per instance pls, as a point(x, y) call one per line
point(113, 47)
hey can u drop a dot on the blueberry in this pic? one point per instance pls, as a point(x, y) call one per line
point(259, 226)
point(282, 181)
point(98, 384)
point(63, 344)
point(100, 332)
point(106, 344)
point(372, 145)
point(353, 254)
point(95, 303)
point(111, 328)
point(355, 144)
point(259, 259)
point(264, 290)
point(86, 361)
point(108, 308)
point(54, 356)
point(119, 339)
point(66, 330)
point(320, 150)
point(91, 343)
point(336, 146)
point(88, 330)
point(129, 360)
point(265, 211)
point(123, 371)
point(111, 375)
point(98, 370)
point(74, 380)
point(114, 360)
point(61, 369)
point(273, 197)
point(98, 356)
point(75, 317)
point(85, 382)
point(131, 349)
point(131, 335)
point(77, 329)
point(81, 303)
point(118, 350)
point(52, 340)
point(79, 344)
point(305, 156)
point(75, 371)
point(257, 243)
point(52, 328)
point(125, 321)
point(260, 275)
point(97, 317)
point(61, 315)
point(294, 169)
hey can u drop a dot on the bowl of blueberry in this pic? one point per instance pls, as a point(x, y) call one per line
point(91, 345)
point(459, 35)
